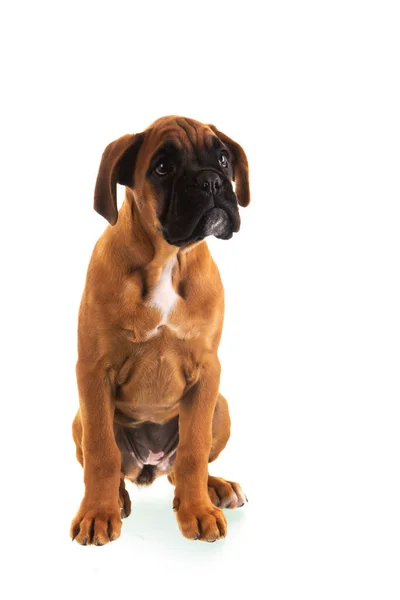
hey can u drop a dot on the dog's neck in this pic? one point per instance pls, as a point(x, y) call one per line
point(138, 232)
point(136, 242)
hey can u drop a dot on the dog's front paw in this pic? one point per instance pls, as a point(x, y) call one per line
point(94, 525)
point(203, 522)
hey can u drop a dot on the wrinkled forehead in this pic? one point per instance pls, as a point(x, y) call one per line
point(186, 135)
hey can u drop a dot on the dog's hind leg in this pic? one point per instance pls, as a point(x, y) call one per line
point(221, 428)
point(124, 499)
point(77, 435)
point(223, 493)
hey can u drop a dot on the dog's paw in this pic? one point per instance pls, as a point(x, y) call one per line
point(124, 501)
point(94, 525)
point(225, 494)
point(201, 522)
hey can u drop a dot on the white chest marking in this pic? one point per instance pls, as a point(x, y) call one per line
point(163, 296)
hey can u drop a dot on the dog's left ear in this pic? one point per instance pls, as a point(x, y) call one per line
point(240, 167)
point(117, 166)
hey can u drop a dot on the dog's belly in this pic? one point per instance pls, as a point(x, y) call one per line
point(147, 450)
point(153, 381)
point(146, 415)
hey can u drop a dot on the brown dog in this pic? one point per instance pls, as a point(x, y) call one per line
point(150, 323)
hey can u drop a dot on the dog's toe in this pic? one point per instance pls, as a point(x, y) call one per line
point(225, 494)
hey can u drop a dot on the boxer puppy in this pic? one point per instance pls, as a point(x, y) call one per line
point(150, 323)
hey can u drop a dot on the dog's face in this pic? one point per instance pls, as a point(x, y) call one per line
point(181, 173)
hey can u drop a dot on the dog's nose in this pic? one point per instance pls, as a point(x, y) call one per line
point(209, 181)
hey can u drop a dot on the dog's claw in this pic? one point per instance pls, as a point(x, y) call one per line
point(96, 527)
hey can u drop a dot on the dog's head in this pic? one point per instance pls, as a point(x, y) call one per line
point(181, 173)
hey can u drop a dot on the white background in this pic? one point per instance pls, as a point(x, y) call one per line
point(310, 351)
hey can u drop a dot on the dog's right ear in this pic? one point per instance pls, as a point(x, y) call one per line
point(117, 166)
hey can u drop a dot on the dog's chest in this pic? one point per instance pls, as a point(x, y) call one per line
point(163, 297)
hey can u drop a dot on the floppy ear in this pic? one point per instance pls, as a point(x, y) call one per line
point(240, 167)
point(117, 166)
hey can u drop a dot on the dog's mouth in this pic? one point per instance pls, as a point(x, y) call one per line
point(216, 222)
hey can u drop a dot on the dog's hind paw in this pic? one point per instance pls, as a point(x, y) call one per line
point(225, 494)
point(124, 501)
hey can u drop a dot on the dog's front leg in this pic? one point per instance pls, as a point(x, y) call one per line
point(98, 519)
point(197, 517)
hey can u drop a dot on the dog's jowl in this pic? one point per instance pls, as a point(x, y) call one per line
point(150, 323)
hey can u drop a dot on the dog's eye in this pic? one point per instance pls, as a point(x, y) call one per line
point(223, 160)
point(164, 167)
